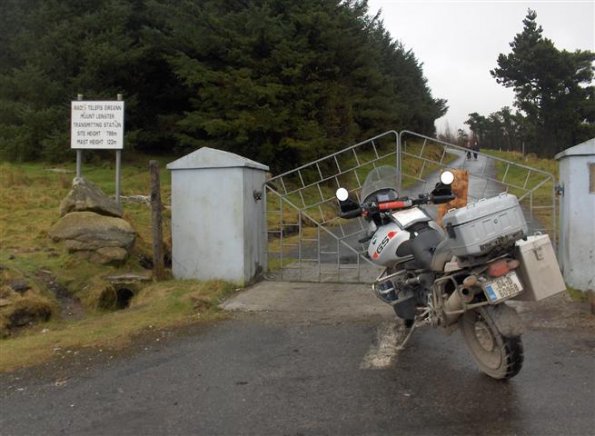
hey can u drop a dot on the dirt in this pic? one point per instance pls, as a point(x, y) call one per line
point(70, 307)
point(557, 311)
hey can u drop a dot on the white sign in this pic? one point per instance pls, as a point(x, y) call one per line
point(97, 125)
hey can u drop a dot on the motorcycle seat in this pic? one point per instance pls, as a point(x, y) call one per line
point(442, 254)
point(430, 249)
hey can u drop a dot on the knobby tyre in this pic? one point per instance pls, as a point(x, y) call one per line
point(498, 356)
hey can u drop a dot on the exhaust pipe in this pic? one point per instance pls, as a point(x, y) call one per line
point(453, 304)
point(456, 300)
point(468, 294)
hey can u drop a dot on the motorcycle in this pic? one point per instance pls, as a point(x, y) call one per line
point(457, 276)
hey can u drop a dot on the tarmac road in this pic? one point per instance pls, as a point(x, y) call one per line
point(312, 359)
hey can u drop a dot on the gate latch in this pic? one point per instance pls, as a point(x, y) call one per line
point(559, 189)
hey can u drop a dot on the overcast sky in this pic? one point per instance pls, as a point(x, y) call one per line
point(458, 43)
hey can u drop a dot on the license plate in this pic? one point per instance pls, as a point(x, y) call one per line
point(503, 288)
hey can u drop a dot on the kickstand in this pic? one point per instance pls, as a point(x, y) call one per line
point(402, 345)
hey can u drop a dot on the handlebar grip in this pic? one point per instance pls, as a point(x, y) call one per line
point(351, 214)
point(442, 198)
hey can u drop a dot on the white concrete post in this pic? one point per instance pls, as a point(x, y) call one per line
point(577, 215)
point(218, 217)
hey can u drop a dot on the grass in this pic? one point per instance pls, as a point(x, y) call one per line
point(160, 305)
point(577, 294)
point(30, 195)
point(29, 200)
point(535, 189)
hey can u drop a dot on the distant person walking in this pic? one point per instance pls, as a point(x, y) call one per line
point(472, 147)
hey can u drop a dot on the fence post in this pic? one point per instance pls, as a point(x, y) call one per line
point(118, 166)
point(79, 152)
point(156, 221)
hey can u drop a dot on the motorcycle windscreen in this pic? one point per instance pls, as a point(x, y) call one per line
point(383, 178)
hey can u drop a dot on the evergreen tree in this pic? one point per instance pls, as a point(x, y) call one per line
point(552, 88)
point(55, 49)
point(290, 81)
point(503, 129)
point(275, 80)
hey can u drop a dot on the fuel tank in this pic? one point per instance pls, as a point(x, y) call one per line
point(383, 246)
point(389, 237)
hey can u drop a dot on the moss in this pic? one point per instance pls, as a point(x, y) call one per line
point(577, 294)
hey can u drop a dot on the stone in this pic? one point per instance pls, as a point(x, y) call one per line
point(99, 238)
point(29, 315)
point(129, 278)
point(19, 286)
point(88, 197)
point(109, 255)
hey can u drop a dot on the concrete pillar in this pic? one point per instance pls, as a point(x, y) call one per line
point(218, 217)
point(577, 215)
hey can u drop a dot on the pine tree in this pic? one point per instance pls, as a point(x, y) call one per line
point(276, 80)
point(552, 88)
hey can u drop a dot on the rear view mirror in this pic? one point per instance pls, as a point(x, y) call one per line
point(447, 177)
point(347, 204)
point(342, 194)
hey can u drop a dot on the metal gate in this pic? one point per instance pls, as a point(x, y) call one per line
point(307, 241)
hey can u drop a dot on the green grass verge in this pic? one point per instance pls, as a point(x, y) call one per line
point(166, 304)
point(30, 195)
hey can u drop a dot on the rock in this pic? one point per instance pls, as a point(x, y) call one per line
point(24, 311)
point(26, 316)
point(128, 278)
point(99, 238)
point(142, 199)
point(4, 302)
point(88, 197)
point(108, 255)
point(19, 286)
point(59, 170)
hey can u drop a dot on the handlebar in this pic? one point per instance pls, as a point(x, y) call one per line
point(351, 214)
point(437, 199)
point(370, 208)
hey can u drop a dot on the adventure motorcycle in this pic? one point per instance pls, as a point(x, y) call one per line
point(460, 275)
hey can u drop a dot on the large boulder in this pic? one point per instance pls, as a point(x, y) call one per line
point(88, 197)
point(99, 238)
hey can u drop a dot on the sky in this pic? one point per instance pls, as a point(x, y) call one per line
point(458, 43)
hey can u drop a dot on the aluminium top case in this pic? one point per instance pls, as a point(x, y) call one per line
point(485, 226)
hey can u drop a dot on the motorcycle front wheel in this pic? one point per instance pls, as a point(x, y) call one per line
point(498, 356)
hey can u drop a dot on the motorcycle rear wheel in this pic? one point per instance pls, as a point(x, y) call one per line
point(498, 356)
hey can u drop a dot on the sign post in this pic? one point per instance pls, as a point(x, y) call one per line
point(119, 155)
point(97, 125)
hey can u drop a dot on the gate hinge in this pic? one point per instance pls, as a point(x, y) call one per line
point(559, 189)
